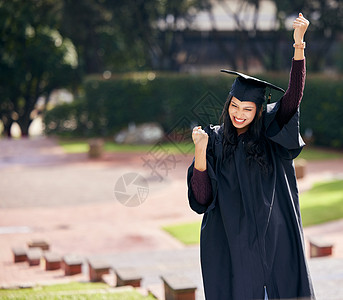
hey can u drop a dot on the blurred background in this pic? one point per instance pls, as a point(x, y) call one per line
point(94, 93)
point(90, 68)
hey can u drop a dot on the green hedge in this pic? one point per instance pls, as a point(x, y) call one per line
point(109, 105)
point(322, 111)
point(181, 101)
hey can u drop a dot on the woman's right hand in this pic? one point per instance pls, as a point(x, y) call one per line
point(300, 25)
point(200, 138)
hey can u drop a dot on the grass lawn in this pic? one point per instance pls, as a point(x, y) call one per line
point(81, 146)
point(187, 233)
point(74, 146)
point(312, 153)
point(323, 203)
point(72, 291)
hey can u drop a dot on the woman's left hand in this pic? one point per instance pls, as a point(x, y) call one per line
point(300, 25)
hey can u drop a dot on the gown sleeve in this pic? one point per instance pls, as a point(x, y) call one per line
point(290, 101)
point(201, 186)
point(212, 132)
point(286, 137)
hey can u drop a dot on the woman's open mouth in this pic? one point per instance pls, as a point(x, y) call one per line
point(238, 121)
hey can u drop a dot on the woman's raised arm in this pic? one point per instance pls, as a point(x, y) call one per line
point(300, 25)
point(292, 98)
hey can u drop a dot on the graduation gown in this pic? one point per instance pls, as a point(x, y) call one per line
point(251, 233)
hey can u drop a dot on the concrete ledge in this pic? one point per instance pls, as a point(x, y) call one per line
point(178, 287)
point(97, 269)
point(19, 254)
point(320, 247)
point(72, 265)
point(128, 276)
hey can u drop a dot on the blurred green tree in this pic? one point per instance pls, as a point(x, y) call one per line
point(126, 35)
point(34, 59)
point(88, 24)
point(247, 32)
point(326, 19)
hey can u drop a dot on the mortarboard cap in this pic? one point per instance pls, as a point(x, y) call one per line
point(247, 88)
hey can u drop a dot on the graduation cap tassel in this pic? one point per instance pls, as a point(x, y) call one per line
point(269, 95)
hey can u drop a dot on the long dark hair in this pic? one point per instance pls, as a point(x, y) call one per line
point(254, 138)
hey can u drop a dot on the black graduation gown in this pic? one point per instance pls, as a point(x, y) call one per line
point(251, 233)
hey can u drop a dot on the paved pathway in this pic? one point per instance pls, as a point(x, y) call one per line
point(327, 273)
point(69, 200)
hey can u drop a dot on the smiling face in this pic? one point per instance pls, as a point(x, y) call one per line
point(241, 113)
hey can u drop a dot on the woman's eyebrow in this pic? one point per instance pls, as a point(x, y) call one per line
point(238, 105)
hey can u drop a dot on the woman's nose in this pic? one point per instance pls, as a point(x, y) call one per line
point(240, 114)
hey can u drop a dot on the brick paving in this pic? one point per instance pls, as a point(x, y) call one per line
point(69, 201)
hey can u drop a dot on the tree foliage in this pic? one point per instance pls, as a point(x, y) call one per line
point(128, 34)
point(47, 44)
point(34, 59)
point(326, 19)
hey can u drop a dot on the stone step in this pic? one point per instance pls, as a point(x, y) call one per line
point(319, 247)
point(178, 287)
point(128, 276)
point(97, 268)
point(151, 265)
point(72, 264)
point(37, 243)
point(34, 256)
point(19, 254)
point(51, 261)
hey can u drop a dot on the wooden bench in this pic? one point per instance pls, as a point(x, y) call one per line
point(39, 244)
point(34, 256)
point(52, 261)
point(97, 269)
point(178, 287)
point(128, 276)
point(19, 254)
point(72, 265)
point(95, 148)
point(300, 168)
point(320, 247)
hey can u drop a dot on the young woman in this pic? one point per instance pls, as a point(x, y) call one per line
point(243, 180)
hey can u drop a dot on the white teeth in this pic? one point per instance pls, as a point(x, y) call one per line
point(239, 120)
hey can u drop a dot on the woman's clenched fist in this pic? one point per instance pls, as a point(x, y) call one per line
point(200, 137)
